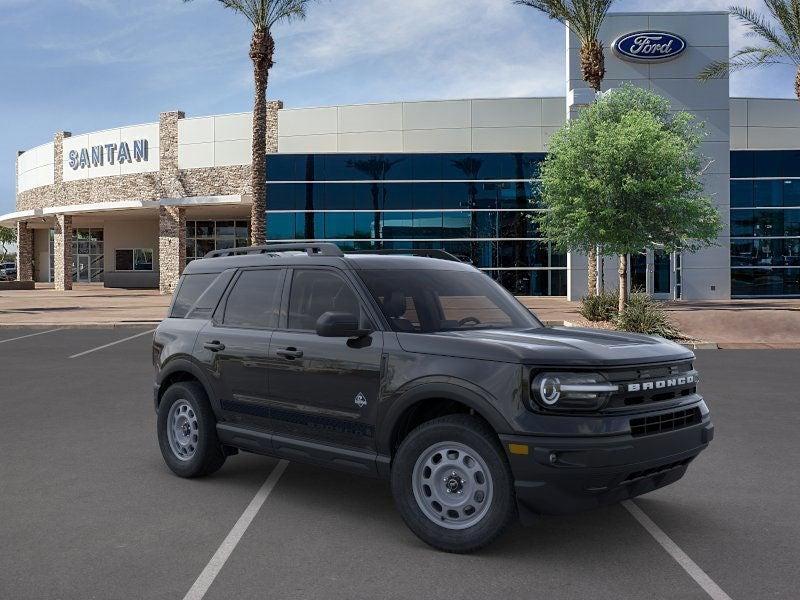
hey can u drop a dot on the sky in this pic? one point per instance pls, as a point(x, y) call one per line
point(86, 65)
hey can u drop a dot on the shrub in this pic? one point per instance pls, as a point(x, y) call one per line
point(601, 307)
point(645, 315)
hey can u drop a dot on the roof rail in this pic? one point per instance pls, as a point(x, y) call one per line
point(323, 249)
point(424, 252)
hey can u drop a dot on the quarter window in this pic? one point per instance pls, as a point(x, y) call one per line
point(254, 299)
point(192, 286)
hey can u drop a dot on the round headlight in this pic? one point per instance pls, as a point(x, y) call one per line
point(549, 390)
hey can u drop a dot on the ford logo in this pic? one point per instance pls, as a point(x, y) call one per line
point(649, 46)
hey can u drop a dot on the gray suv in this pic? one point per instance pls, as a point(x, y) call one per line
point(423, 371)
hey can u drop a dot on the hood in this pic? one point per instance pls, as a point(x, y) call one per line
point(548, 346)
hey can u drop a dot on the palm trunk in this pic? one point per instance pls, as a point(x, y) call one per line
point(797, 84)
point(261, 51)
point(623, 282)
point(593, 67)
point(593, 70)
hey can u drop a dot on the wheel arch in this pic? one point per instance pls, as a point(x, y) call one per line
point(444, 395)
point(182, 369)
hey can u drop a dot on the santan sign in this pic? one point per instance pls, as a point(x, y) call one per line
point(97, 156)
point(649, 46)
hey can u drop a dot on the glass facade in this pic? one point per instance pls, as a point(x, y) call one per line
point(205, 236)
point(476, 206)
point(765, 223)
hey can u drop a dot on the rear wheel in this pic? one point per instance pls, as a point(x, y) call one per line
point(452, 484)
point(187, 432)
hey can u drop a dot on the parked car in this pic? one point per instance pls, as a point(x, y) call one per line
point(8, 271)
point(423, 371)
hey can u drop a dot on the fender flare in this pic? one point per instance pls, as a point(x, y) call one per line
point(456, 390)
point(186, 365)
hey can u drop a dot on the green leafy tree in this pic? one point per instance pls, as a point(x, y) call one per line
point(778, 40)
point(626, 175)
point(263, 15)
point(584, 19)
point(7, 236)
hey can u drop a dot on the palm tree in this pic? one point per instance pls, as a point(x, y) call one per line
point(584, 19)
point(780, 41)
point(376, 168)
point(263, 15)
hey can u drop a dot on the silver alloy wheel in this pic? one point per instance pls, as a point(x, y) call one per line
point(182, 430)
point(452, 485)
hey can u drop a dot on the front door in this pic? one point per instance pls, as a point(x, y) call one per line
point(324, 389)
point(83, 269)
point(662, 273)
point(651, 272)
point(638, 270)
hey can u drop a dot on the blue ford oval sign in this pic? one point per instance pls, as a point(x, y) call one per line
point(649, 46)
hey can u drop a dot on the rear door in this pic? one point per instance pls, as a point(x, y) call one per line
point(234, 344)
point(324, 389)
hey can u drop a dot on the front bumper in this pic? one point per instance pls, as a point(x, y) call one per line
point(561, 475)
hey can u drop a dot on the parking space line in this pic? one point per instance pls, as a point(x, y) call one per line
point(22, 337)
point(686, 563)
point(111, 344)
point(206, 578)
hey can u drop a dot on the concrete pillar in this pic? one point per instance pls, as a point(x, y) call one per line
point(24, 252)
point(62, 250)
point(171, 246)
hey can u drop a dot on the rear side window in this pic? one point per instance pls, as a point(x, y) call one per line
point(255, 299)
point(191, 288)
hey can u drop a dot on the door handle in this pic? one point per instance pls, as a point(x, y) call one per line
point(214, 346)
point(290, 353)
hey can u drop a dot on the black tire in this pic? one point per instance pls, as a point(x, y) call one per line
point(208, 455)
point(476, 434)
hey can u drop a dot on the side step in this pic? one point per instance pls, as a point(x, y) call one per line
point(342, 459)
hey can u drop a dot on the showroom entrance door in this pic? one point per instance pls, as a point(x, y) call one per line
point(82, 274)
point(653, 272)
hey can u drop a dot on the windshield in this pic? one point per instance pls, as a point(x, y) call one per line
point(427, 301)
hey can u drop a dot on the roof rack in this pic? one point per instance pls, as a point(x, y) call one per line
point(322, 249)
point(424, 252)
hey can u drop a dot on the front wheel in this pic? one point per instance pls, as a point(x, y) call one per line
point(187, 431)
point(452, 484)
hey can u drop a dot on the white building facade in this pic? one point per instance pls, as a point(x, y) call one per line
point(128, 207)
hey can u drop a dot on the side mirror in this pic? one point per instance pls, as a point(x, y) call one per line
point(336, 324)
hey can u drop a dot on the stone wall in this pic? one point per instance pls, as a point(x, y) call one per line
point(24, 252)
point(171, 246)
point(217, 181)
point(62, 251)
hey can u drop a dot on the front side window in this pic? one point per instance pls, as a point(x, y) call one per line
point(255, 299)
point(428, 301)
point(315, 292)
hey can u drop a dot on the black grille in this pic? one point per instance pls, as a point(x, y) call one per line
point(665, 422)
point(657, 383)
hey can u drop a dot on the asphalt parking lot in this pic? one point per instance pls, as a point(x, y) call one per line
point(89, 510)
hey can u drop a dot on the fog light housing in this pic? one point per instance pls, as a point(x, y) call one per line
point(572, 391)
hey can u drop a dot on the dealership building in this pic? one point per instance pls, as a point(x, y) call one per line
point(130, 206)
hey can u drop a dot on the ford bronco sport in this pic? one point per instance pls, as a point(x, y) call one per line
point(423, 371)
